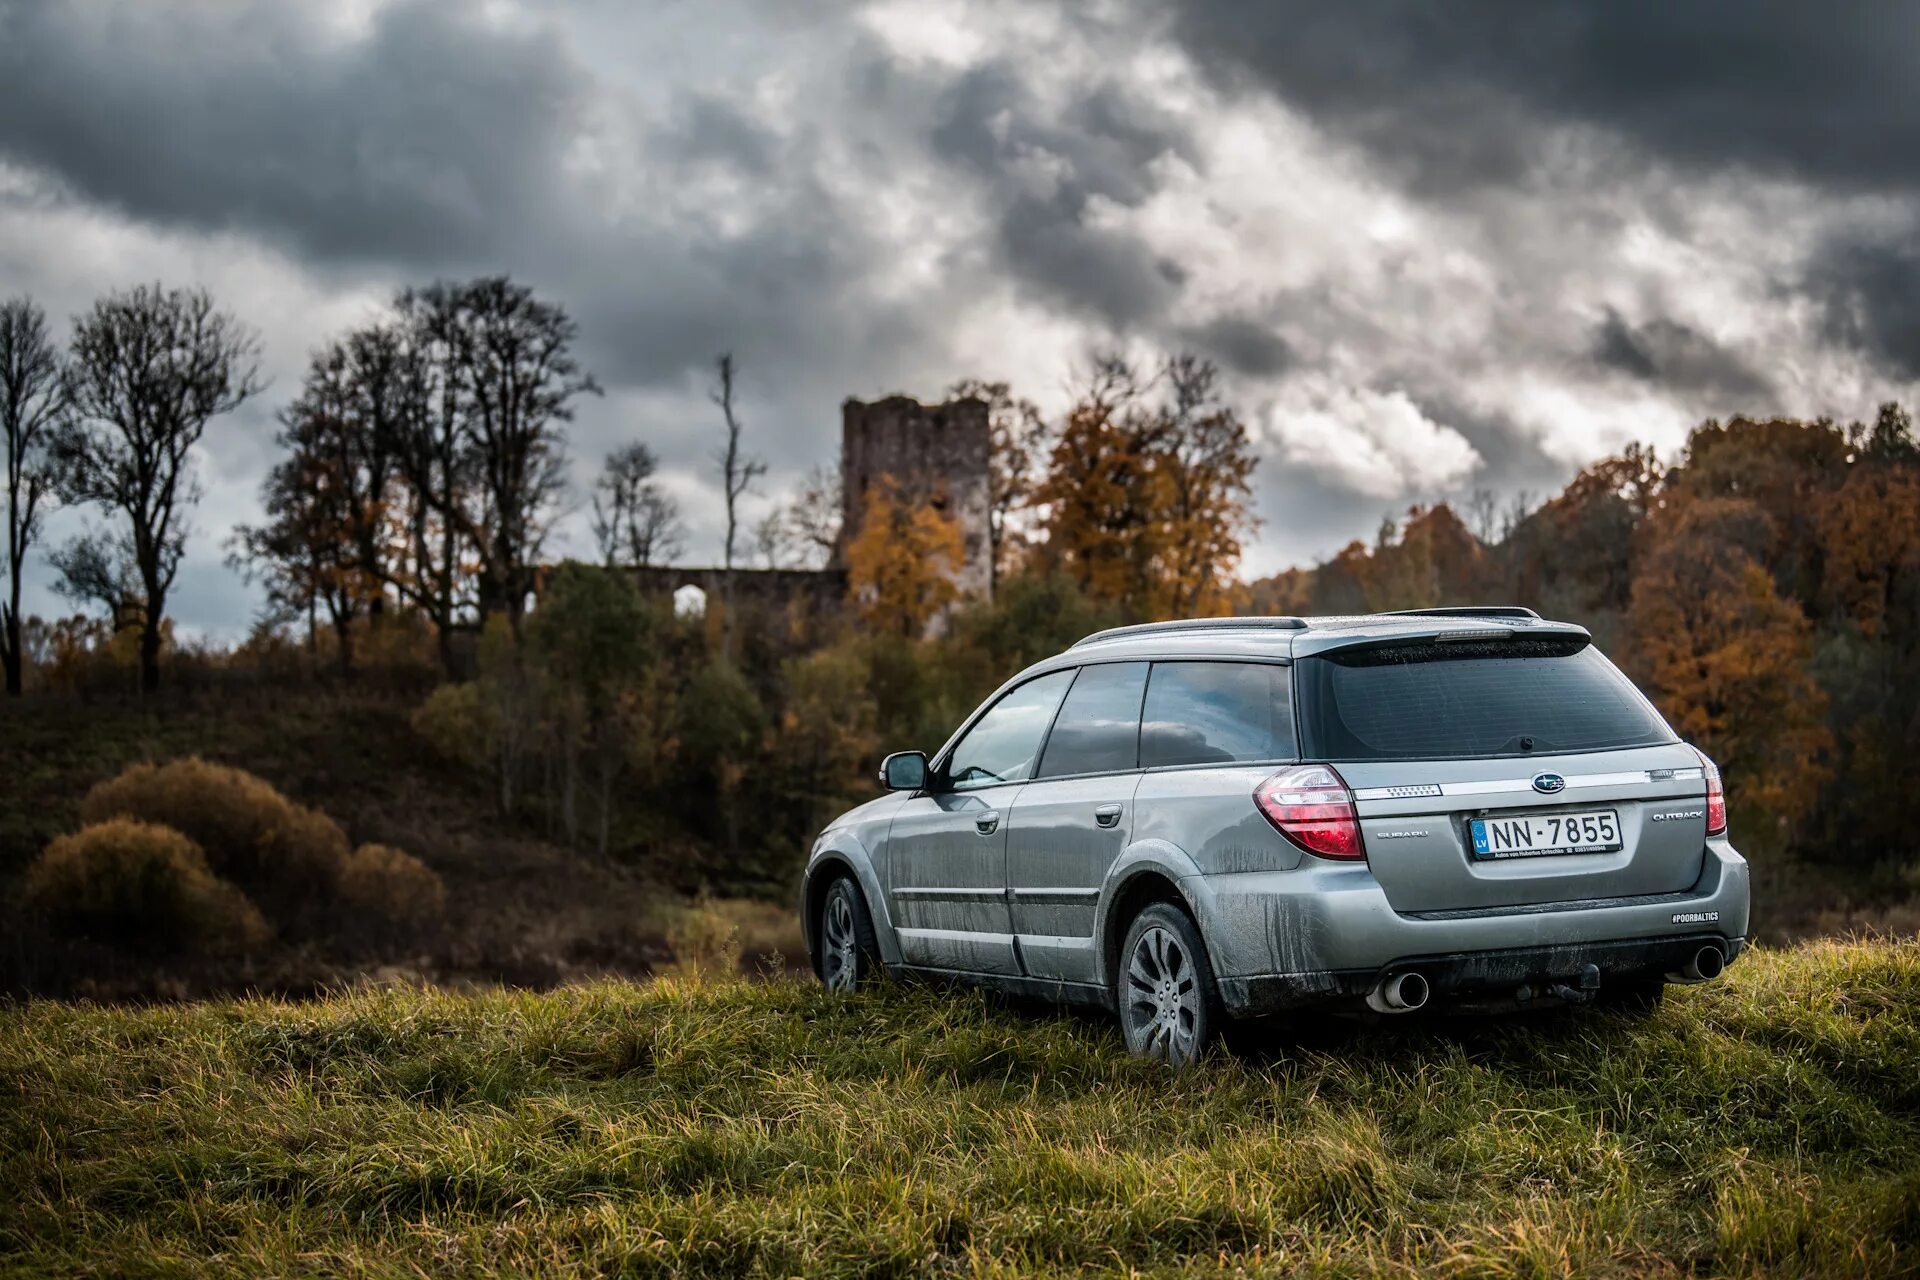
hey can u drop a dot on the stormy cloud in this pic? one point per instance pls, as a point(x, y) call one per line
point(1432, 248)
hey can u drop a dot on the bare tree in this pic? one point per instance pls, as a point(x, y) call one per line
point(33, 412)
point(150, 368)
point(97, 568)
point(656, 534)
point(1483, 514)
point(633, 518)
point(773, 544)
point(1519, 506)
point(738, 471)
point(483, 381)
point(813, 517)
point(430, 455)
point(522, 380)
point(380, 367)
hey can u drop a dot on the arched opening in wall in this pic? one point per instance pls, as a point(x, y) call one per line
point(690, 602)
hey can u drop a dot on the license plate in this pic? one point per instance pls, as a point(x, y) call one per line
point(1536, 835)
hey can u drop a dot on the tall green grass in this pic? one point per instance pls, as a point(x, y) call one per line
point(1769, 1124)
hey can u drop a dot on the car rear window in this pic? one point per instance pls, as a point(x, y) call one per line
point(1216, 713)
point(1433, 701)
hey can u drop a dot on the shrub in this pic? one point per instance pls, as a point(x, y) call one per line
point(459, 724)
point(282, 853)
point(141, 886)
point(391, 887)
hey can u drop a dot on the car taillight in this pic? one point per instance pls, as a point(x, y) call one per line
point(1716, 796)
point(1310, 805)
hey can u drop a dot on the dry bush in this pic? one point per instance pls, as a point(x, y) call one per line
point(282, 853)
point(391, 887)
point(144, 887)
point(713, 937)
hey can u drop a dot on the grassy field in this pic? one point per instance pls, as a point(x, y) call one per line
point(1767, 1125)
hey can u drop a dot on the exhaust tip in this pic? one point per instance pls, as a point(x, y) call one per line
point(1708, 962)
point(1400, 993)
point(1706, 965)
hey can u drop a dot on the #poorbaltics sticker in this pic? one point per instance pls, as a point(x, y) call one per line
point(1697, 917)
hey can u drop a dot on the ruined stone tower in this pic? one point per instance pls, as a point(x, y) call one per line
point(937, 452)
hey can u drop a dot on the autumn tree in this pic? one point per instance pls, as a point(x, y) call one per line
point(150, 368)
point(324, 540)
point(902, 562)
point(1017, 440)
point(1727, 657)
point(33, 413)
point(1147, 488)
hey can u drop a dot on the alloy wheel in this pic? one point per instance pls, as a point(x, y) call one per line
point(840, 962)
point(1162, 1005)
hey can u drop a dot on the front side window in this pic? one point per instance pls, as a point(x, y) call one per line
point(1099, 726)
point(1506, 698)
point(1216, 713)
point(1003, 744)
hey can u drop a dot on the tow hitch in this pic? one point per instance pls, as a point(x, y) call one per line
point(1589, 980)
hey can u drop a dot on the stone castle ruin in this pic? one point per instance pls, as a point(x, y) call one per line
point(937, 454)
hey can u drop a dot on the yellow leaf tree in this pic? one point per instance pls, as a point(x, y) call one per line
point(901, 565)
point(1146, 492)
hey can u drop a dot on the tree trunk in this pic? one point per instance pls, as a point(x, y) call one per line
point(10, 652)
point(150, 655)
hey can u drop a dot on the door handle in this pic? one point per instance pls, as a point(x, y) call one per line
point(987, 823)
point(1107, 815)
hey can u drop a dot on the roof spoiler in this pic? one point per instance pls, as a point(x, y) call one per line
point(1281, 623)
point(1469, 611)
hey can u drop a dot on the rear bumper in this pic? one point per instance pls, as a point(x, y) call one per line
point(1478, 976)
point(1325, 932)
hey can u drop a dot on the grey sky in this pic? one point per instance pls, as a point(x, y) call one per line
point(1434, 247)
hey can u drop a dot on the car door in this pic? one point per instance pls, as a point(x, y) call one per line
point(1068, 825)
point(947, 847)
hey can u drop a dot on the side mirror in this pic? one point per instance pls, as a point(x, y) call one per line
point(904, 771)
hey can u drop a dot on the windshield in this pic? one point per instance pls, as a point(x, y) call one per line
point(1433, 701)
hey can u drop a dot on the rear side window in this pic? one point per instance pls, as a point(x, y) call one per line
point(1433, 701)
point(1099, 726)
point(1216, 713)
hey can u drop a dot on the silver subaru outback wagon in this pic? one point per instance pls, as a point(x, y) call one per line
point(1230, 818)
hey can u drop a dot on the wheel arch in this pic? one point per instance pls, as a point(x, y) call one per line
point(1145, 874)
point(823, 869)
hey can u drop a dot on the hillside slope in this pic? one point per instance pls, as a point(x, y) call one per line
point(522, 908)
point(1769, 1124)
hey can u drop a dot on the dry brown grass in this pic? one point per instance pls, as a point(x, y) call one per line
point(142, 887)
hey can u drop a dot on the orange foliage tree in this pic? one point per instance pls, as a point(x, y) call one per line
point(901, 565)
point(1727, 658)
point(1146, 491)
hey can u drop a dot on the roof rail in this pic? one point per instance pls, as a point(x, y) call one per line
point(1468, 611)
point(1195, 624)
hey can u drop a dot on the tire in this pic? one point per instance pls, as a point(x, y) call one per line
point(848, 957)
point(1164, 991)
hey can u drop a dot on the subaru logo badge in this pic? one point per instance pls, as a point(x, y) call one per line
point(1548, 783)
